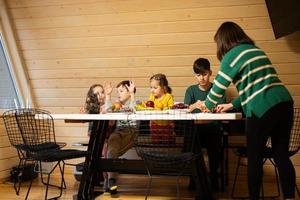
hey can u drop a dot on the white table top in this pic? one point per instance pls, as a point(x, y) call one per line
point(134, 116)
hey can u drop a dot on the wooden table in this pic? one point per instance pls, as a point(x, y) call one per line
point(94, 165)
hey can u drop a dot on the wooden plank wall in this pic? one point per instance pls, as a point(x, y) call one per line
point(70, 44)
point(8, 155)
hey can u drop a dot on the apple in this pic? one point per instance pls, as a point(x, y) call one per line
point(150, 104)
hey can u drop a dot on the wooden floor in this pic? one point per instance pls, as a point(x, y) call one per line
point(131, 187)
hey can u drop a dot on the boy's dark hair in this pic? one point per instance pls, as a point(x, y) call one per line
point(228, 36)
point(92, 104)
point(124, 84)
point(201, 65)
point(163, 82)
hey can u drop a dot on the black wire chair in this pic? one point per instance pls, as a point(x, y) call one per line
point(16, 140)
point(166, 151)
point(294, 146)
point(37, 130)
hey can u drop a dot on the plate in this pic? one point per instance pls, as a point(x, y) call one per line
point(178, 111)
point(113, 113)
point(152, 112)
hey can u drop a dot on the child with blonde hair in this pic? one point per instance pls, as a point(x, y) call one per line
point(161, 130)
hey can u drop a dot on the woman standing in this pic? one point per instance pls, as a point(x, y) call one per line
point(266, 102)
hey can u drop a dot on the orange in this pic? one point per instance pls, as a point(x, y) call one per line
point(117, 105)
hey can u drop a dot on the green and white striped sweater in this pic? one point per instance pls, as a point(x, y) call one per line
point(256, 80)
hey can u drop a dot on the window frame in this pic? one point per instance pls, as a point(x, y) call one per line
point(10, 69)
point(14, 58)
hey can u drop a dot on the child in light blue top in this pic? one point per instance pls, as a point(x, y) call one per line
point(122, 138)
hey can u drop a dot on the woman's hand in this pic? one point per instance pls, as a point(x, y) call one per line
point(224, 107)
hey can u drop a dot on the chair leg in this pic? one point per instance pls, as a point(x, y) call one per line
point(224, 163)
point(297, 189)
point(150, 180)
point(19, 181)
point(17, 189)
point(41, 173)
point(223, 173)
point(62, 182)
point(262, 182)
point(262, 185)
point(45, 183)
point(61, 187)
point(178, 179)
point(149, 185)
point(177, 187)
point(262, 188)
point(277, 179)
point(29, 188)
point(21, 166)
point(178, 183)
point(62, 172)
point(235, 179)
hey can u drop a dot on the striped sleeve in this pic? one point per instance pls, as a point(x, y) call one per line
point(237, 103)
point(221, 83)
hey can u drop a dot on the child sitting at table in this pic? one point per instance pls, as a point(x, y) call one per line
point(122, 138)
point(94, 104)
point(208, 133)
point(161, 130)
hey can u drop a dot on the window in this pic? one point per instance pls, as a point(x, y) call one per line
point(9, 97)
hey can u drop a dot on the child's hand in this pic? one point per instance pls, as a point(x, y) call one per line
point(108, 88)
point(101, 109)
point(192, 107)
point(200, 105)
point(131, 87)
point(82, 110)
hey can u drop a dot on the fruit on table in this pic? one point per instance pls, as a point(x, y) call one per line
point(139, 107)
point(180, 106)
point(142, 106)
point(116, 106)
point(150, 104)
